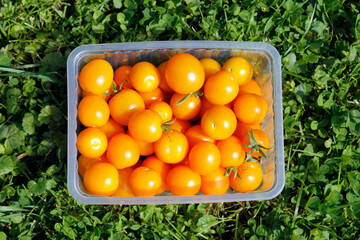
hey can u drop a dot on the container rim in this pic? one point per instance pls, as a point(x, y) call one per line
point(267, 48)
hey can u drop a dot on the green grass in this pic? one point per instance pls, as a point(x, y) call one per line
point(319, 42)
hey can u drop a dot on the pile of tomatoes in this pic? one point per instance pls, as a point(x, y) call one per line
point(186, 126)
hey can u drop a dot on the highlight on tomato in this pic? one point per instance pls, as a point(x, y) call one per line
point(96, 76)
point(184, 73)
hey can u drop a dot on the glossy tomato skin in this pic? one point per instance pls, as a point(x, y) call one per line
point(206, 105)
point(204, 157)
point(251, 87)
point(150, 97)
point(96, 76)
point(145, 125)
point(250, 108)
point(123, 151)
point(232, 152)
point(195, 134)
point(124, 104)
point(172, 147)
point(163, 83)
point(182, 181)
point(219, 122)
point(187, 110)
point(180, 125)
point(144, 77)
point(261, 138)
point(184, 73)
point(145, 182)
point(84, 163)
point(210, 66)
point(91, 142)
point(124, 189)
point(101, 178)
point(163, 109)
point(220, 88)
point(251, 175)
point(240, 69)
point(93, 111)
point(104, 95)
point(111, 128)
point(121, 77)
point(243, 129)
point(215, 183)
point(159, 166)
point(145, 148)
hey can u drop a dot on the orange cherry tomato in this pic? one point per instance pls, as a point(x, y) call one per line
point(204, 157)
point(121, 77)
point(93, 111)
point(249, 179)
point(155, 95)
point(206, 105)
point(232, 152)
point(221, 88)
point(145, 148)
point(219, 122)
point(180, 125)
point(163, 83)
point(243, 129)
point(145, 182)
point(96, 76)
point(240, 69)
point(183, 162)
point(195, 134)
point(172, 147)
point(261, 138)
point(182, 181)
point(186, 110)
point(210, 66)
point(215, 183)
point(111, 128)
point(91, 142)
point(101, 178)
point(123, 151)
point(124, 104)
point(251, 87)
point(84, 163)
point(144, 77)
point(184, 73)
point(145, 125)
point(163, 109)
point(124, 189)
point(159, 166)
point(104, 95)
point(250, 108)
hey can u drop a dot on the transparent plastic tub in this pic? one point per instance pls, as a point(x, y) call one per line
point(266, 62)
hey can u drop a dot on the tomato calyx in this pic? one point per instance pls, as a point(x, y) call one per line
point(115, 89)
point(166, 126)
point(229, 170)
point(197, 94)
point(254, 147)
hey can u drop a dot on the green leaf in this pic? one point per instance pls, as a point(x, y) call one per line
point(39, 187)
point(3, 236)
point(4, 59)
point(53, 62)
point(354, 122)
point(14, 138)
point(334, 198)
point(28, 123)
point(117, 3)
point(354, 180)
point(7, 164)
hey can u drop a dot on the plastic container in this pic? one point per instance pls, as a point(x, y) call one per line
point(267, 72)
